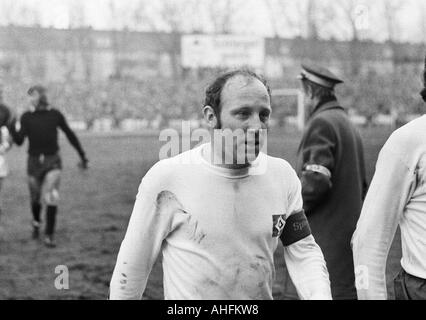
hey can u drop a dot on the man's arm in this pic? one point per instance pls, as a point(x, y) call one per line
point(308, 271)
point(18, 136)
point(6, 141)
point(72, 138)
point(304, 259)
point(384, 204)
point(318, 163)
point(149, 225)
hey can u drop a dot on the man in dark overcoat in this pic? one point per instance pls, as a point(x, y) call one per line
point(332, 171)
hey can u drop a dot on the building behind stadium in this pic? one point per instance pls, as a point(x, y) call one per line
point(85, 54)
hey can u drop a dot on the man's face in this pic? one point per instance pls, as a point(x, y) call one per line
point(34, 98)
point(308, 100)
point(246, 108)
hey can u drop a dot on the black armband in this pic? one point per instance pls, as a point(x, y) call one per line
point(296, 228)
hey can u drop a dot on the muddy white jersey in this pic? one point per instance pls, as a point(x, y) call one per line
point(217, 230)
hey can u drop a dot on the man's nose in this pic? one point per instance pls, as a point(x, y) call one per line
point(255, 123)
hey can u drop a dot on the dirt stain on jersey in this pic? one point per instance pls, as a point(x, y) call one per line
point(196, 233)
point(167, 202)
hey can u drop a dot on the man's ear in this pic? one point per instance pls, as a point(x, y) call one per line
point(310, 92)
point(210, 117)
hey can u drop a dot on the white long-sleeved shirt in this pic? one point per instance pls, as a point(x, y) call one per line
point(5, 140)
point(214, 227)
point(5, 145)
point(397, 195)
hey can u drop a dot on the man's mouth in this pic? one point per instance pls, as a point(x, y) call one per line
point(255, 143)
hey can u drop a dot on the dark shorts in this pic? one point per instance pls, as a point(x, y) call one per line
point(408, 287)
point(39, 166)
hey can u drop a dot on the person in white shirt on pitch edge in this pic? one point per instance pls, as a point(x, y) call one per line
point(5, 145)
point(217, 225)
point(397, 196)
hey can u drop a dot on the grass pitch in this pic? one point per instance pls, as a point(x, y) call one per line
point(94, 213)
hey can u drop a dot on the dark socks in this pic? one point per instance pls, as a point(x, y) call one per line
point(36, 208)
point(51, 220)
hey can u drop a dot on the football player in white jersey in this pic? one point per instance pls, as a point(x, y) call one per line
point(397, 197)
point(218, 223)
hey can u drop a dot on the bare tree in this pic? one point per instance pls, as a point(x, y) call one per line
point(81, 37)
point(172, 16)
point(279, 16)
point(26, 59)
point(165, 15)
point(114, 35)
point(303, 16)
point(222, 14)
point(311, 18)
point(347, 9)
point(391, 8)
point(141, 17)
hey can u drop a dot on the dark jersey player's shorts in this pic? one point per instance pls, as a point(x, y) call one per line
point(39, 166)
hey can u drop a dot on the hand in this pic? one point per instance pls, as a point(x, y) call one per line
point(84, 164)
point(11, 121)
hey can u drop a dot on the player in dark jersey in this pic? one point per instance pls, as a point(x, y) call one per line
point(44, 165)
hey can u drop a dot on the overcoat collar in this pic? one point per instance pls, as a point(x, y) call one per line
point(334, 104)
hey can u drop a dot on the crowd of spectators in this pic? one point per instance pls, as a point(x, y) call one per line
point(159, 100)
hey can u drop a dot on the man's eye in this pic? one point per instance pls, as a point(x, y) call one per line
point(243, 113)
point(264, 116)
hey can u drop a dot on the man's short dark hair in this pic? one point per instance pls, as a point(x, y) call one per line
point(214, 90)
point(320, 92)
point(423, 94)
point(42, 91)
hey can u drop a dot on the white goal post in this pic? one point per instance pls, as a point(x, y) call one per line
point(300, 106)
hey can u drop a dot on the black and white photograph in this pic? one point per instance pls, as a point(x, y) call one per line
point(225, 151)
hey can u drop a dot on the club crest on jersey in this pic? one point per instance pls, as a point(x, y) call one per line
point(278, 223)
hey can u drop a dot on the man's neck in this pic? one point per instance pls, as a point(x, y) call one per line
point(320, 103)
point(41, 107)
point(218, 157)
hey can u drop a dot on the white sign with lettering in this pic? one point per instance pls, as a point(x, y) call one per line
point(227, 51)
